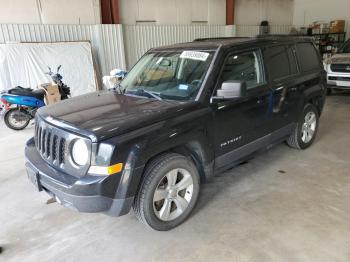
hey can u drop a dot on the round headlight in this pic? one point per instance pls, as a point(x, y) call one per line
point(80, 152)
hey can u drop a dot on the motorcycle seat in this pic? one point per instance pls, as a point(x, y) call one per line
point(38, 93)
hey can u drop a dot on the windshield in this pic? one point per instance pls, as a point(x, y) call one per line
point(173, 75)
point(346, 47)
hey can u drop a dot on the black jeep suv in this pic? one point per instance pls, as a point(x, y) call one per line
point(182, 114)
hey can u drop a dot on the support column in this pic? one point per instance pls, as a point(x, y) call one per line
point(109, 11)
point(230, 12)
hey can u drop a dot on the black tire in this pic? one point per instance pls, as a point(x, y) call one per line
point(155, 172)
point(329, 91)
point(7, 117)
point(295, 140)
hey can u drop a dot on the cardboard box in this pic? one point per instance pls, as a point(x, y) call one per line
point(52, 93)
point(337, 26)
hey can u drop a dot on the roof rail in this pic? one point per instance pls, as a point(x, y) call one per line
point(284, 36)
point(218, 38)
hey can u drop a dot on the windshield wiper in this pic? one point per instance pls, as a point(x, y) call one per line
point(156, 96)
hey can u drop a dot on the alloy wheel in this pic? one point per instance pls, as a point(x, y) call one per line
point(173, 194)
point(309, 127)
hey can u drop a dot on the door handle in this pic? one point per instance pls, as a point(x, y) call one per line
point(261, 100)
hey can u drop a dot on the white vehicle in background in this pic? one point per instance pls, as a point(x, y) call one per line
point(338, 69)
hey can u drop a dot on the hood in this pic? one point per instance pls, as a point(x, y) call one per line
point(106, 114)
point(339, 59)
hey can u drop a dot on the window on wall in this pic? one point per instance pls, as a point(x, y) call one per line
point(244, 67)
point(308, 57)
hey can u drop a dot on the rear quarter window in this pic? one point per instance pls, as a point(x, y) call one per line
point(308, 57)
point(280, 62)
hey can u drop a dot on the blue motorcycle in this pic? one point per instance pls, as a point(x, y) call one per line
point(20, 104)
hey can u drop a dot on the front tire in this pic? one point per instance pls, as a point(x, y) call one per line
point(329, 91)
point(168, 192)
point(16, 120)
point(305, 131)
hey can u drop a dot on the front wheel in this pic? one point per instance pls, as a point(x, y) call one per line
point(168, 192)
point(306, 129)
point(16, 119)
point(329, 91)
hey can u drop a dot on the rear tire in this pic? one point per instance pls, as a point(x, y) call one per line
point(168, 192)
point(11, 122)
point(305, 131)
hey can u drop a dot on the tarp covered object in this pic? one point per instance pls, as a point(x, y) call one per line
point(25, 64)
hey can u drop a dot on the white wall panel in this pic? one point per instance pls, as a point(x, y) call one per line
point(69, 12)
point(19, 11)
point(252, 12)
point(50, 11)
point(173, 11)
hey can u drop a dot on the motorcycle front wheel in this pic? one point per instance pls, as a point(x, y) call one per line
point(16, 119)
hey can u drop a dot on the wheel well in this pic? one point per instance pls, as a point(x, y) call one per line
point(186, 151)
point(317, 102)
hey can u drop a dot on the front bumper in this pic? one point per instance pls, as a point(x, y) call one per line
point(85, 194)
point(341, 81)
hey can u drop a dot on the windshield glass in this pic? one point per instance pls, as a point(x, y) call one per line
point(173, 75)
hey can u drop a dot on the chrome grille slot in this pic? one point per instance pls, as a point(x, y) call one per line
point(43, 142)
point(61, 150)
point(48, 145)
point(341, 68)
point(53, 145)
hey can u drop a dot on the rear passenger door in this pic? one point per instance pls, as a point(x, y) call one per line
point(283, 74)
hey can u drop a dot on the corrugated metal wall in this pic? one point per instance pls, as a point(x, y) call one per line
point(106, 40)
point(140, 38)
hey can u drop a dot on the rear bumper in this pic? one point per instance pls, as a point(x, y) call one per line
point(86, 194)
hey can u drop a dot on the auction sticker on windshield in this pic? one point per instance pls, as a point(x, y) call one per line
point(195, 55)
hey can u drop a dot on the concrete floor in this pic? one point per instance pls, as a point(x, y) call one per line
point(284, 205)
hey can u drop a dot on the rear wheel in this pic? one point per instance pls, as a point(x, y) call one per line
point(168, 192)
point(16, 119)
point(306, 129)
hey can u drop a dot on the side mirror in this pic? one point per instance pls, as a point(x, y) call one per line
point(231, 89)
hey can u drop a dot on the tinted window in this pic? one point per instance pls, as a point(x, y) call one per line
point(280, 62)
point(308, 57)
point(244, 67)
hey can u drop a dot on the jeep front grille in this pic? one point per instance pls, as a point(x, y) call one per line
point(340, 68)
point(50, 145)
point(53, 144)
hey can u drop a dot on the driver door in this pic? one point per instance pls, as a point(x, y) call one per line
point(239, 123)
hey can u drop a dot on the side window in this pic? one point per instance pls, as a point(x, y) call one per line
point(280, 62)
point(245, 67)
point(308, 57)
